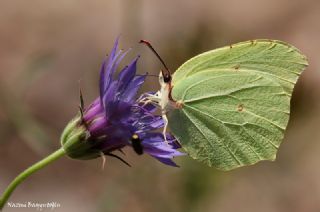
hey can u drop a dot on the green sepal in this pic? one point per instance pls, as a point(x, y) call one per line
point(75, 140)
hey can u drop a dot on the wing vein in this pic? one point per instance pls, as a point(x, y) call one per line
point(223, 144)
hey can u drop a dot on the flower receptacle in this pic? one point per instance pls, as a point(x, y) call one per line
point(75, 140)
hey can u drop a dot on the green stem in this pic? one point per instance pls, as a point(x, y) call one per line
point(26, 173)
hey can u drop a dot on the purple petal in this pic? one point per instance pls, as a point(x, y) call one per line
point(157, 123)
point(154, 145)
point(102, 78)
point(167, 161)
point(98, 126)
point(150, 108)
point(162, 151)
point(110, 69)
point(126, 75)
point(113, 51)
point(120, 112)
point(105, 71)
point(108, 98)
point(116, 63)
point(93, 110)
point(157, 138)
point(132, 88)
point(150, 122)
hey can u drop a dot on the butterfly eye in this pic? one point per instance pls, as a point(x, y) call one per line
point(167, 78)
point(136, 144)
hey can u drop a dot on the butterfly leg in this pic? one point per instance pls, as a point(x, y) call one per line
point(157, 100)
point(165, 126)
point(150, 99)
point(149, 96)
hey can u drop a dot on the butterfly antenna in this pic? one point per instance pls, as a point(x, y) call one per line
point(148, 75)
point(155, 52)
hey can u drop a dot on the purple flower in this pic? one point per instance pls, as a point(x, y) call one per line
point(117, 119)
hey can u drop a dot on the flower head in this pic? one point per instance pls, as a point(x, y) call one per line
point(117, 118)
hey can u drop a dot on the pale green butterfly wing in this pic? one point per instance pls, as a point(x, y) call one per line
point(235, 102)
point(275, 59)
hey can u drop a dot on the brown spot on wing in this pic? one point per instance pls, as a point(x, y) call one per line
point(240, 107)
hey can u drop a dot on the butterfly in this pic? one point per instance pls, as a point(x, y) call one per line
point(230, 107)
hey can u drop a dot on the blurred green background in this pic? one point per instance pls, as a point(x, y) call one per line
point(46, 47)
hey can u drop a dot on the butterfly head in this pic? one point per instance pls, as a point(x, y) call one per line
point(165, 77)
